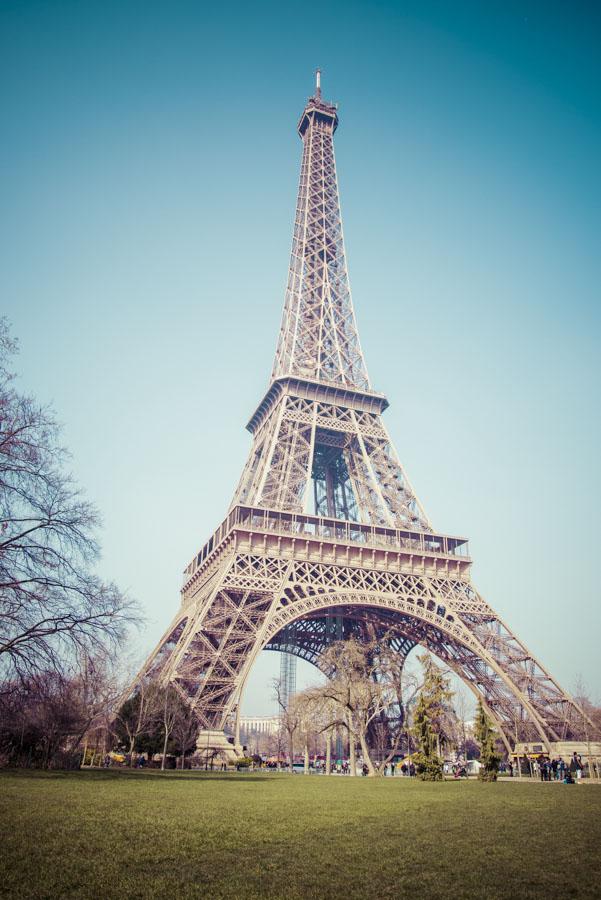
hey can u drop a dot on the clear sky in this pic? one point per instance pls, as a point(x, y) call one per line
point(148, 175)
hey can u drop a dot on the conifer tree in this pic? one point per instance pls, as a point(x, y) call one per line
point(422, 726)
point(484, 733)
point(429, 718)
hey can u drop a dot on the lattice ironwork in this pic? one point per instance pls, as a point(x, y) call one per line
point(318, 338)
point(325, 527)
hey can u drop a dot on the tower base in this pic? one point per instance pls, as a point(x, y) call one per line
point(214, 746)
point(565, 749)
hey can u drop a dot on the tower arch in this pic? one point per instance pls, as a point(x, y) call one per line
point(402, 636)
point(421, 623)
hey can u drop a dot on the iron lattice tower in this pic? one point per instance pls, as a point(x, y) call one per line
point(325, 532)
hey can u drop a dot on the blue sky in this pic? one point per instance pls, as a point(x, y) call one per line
point(148, 170)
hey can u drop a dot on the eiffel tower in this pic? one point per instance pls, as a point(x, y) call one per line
point(325, 536)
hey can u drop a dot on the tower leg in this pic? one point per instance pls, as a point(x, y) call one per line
point(214, 747)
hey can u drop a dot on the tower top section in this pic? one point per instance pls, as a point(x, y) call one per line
point(318, 338)
point(318, 110)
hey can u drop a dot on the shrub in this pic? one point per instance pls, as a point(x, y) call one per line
point(429, 768)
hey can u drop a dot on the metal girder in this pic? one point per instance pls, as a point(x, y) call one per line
point(277, 576)
point(312, 635)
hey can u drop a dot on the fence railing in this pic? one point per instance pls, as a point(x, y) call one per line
point(301, 525)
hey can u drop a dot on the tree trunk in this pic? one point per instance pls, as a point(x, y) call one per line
point(164, 750)
point(395, 749)
point(364, 750)
point(328, 753)
point(306, 760)
point(352, 754)
point(291, 751)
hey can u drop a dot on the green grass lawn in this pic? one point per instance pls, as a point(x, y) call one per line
point(128, 835)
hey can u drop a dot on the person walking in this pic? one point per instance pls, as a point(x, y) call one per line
point(575, 767)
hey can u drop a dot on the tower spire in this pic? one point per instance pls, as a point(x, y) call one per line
point(318, 336)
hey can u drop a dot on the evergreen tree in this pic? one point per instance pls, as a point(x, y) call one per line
point(422, 726)
point(429, 720)
point(485, 736)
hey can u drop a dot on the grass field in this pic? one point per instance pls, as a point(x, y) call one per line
point(149, 835)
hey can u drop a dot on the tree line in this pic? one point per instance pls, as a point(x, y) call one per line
point(60, 623)
point(385, 712)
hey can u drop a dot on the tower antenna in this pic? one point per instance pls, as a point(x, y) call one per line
point(318, 83)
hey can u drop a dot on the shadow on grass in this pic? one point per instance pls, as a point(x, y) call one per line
point(128, 774)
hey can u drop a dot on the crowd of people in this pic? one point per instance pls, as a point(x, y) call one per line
point(558, 769)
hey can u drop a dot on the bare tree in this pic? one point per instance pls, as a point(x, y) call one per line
point(364, 683)
point(592, 713)
point(51, 718)
point(400, 689)
point(289, 717)
point(51, 602)
point(97, 681)
point(42, 721)
point(318, 717)
point(462, 709)
point(37, 721)
point(308, 712)
point(410, 684)
point(177, 721)
point(138, 715)
point(590, 709)
point(185, 730)
point(169, 717)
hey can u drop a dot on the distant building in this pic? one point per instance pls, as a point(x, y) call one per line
point(259, 725)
